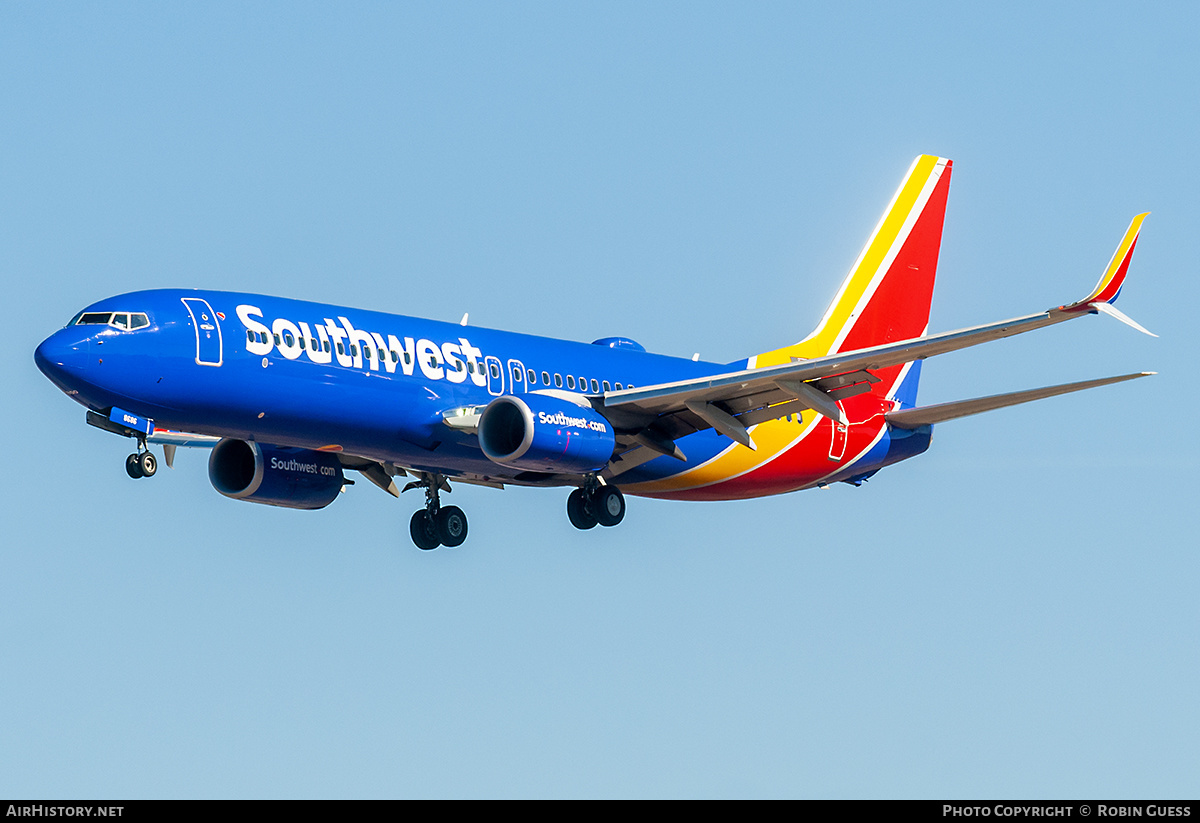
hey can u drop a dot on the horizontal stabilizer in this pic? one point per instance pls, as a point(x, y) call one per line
point(928, 415)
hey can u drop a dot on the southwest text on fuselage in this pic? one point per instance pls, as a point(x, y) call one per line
point(352, 347)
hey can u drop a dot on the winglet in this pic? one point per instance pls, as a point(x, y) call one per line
point(1113, 311)
point(1109, 287)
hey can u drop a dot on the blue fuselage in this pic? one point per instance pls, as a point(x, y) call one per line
point(309, 375)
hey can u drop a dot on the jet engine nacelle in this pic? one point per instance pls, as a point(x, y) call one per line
point(275, 475)
point(545, 433)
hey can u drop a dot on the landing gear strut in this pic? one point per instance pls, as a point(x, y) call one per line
point(595, 504)
point(436, 525)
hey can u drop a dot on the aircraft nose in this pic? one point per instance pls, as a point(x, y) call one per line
point(59, 356)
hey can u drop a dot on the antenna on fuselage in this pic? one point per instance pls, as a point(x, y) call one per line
point(463, 322)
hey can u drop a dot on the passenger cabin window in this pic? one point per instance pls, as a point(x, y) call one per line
point(531, 376)
point(570, 381)
point(607, 387)
point(558, 381)
point(545, 378)
point(595, 386)
point(495, 370)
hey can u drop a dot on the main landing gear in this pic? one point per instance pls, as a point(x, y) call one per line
point(595, 504)
point(436, 525)
point(141, 463)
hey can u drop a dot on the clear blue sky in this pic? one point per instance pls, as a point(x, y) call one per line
point(1013, 614)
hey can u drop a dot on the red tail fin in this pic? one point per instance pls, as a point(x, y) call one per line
point(887, 294)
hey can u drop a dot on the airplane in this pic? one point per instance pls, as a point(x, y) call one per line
point(291, 395)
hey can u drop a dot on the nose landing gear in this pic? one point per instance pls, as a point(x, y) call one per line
point(595, 504)
point(141, 463)
point(436, 525)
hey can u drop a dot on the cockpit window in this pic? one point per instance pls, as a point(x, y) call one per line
point(125, 321)
point(94, 319)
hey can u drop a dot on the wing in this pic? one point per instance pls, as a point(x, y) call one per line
point(651, 418)
point(928, 415)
